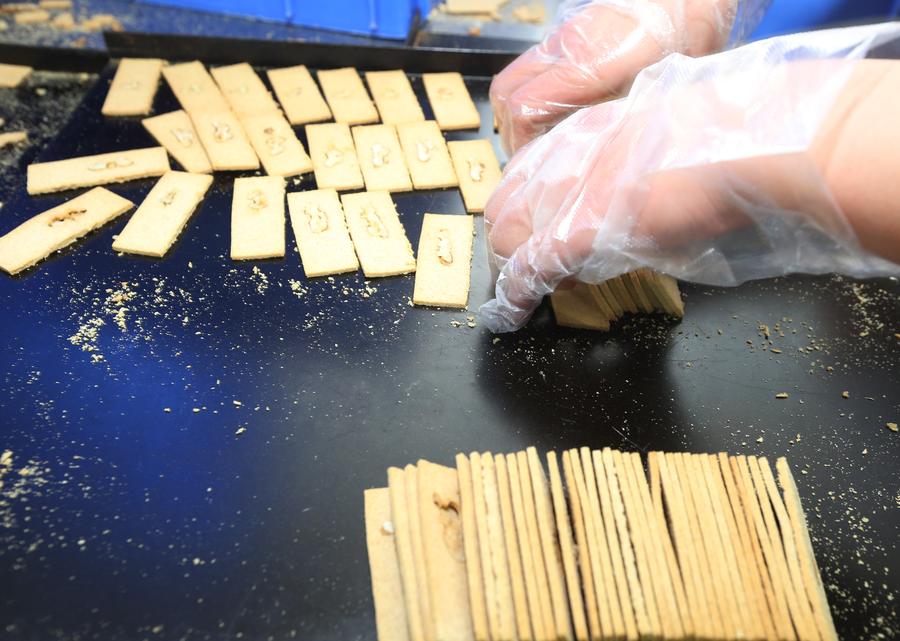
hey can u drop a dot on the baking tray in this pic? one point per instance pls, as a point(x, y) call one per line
point(198, 472)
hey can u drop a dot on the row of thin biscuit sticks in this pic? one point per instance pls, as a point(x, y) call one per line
point(595, 306)
point(702, 547)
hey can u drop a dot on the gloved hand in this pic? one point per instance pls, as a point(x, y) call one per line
point(597, 47)
point(716, 170)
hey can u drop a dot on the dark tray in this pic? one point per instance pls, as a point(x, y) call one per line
point(245, 521)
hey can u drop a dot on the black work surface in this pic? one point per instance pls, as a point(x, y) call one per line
point(189, 439)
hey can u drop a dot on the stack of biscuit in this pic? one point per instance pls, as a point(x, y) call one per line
point(691, 546)
point(596, 306)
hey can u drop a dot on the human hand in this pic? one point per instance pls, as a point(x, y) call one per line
point(595, 51)
point(711, 170)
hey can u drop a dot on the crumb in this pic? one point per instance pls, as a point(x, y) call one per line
point(262, 281)
point(297, 287)
point(782, 395)
point(86, 335)
point(845, 394)
point(892, 427)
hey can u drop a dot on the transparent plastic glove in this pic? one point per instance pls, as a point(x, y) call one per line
point(597, 47)
point(708, 171)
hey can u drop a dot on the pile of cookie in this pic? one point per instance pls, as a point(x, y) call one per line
point(694, 546)
point(230, 122)
point(596, 305)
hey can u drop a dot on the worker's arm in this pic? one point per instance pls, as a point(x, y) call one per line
point(857, 153)
point(595, 50)
point(749, 164)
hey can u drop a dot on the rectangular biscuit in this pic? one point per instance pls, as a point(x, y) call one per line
point(225, 141)
point(347, 97)
point(257, 218)
point(450, 101)
point(548, 540)
point(567, 548)
point(404, 514)
point(384, 567)
point(543, 617)
point(597, 611)
point(380, 158)
point(176, 133)
point(13, 75)
point(668, 292)
point(478, 171)
point(37, 16)
point(499, 561)
point(41, 235)
point(514, 557)
point(243, 90)
point(490, 580)
point(427, 157)
point(394, 97)
point(445, 559)
point(100, 169)
point(812, 578)
point(445, 261)
point(580, 307)
point(476, 577)
point(411, 487)
point(299, 96)
point(155, 225)
point(276, 144)
point(321, 231)
point(194, 88)
point(334, 157)
point(378, 234)
point(12, 138)
point(133, 88)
